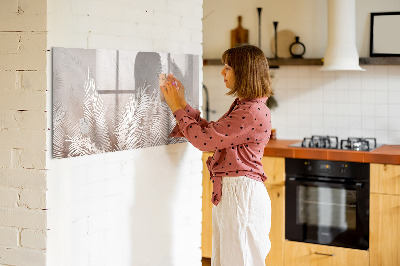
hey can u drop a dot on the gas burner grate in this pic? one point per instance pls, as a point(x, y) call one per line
point(327, 142)
point(332, 142)
point(358, 144)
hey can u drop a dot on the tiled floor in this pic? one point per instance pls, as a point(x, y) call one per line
point(206, 261)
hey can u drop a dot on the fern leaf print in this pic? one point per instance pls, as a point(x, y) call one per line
point(109, 100)
point(94, 116)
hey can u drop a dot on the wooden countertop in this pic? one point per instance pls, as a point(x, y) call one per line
point(389, 154)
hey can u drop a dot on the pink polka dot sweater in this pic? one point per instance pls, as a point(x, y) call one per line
point(238, 139)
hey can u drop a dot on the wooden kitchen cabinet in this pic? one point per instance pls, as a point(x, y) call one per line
point(384, 236)
point(206, 225)
point(274, 168)
point(277, 233)
point(305, 254)
point(385, 178)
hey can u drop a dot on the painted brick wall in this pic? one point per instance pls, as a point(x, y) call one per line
point(138, 207)
point(23, 132)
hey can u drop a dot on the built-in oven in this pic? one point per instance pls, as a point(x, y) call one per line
point(327, 202)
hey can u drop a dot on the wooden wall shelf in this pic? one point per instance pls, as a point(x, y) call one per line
point(380, 61)
point(274, 63)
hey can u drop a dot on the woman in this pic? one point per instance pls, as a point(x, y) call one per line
point(242, 208)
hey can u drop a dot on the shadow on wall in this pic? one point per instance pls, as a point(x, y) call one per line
point(155, 197)
point(152, 225)
point(156, 181)
point(158, 231)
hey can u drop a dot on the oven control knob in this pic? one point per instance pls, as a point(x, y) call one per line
point(343, 168)
point(308, 166)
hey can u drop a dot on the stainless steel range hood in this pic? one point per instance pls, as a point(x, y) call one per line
point(341, 51)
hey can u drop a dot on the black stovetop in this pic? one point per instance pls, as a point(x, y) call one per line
point(332, 142)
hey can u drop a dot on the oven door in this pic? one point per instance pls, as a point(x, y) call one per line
point(327, 213)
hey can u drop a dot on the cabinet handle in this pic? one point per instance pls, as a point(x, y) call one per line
point(325, 254)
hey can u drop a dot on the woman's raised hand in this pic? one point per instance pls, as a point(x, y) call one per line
point(174, 93)
point(181, 91)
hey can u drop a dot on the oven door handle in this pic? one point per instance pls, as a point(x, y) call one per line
point(357, 185)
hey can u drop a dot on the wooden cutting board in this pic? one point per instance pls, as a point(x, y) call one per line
point(239, 35)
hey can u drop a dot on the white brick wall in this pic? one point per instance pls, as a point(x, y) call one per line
point(138, 207)
point(9, 197)
point(9, 237)
point(11, 256)
point(23, 132)
point(33, 239)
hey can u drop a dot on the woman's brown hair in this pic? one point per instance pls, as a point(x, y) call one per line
point(250, 66)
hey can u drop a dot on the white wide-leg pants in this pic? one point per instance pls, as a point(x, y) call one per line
point(241, 223)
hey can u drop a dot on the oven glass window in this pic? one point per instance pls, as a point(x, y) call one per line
point(327, 207)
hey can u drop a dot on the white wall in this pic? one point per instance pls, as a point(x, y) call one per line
point(137, 207)
point(23, 133)
point(311, 102)
point(305, 18)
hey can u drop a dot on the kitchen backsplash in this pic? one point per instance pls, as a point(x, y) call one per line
point(314, 102)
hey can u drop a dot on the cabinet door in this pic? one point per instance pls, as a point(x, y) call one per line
point(385, 178)
point(274, 168)
point(384, 230)
point(277, 233)
point(206, 232)
point(304, 254)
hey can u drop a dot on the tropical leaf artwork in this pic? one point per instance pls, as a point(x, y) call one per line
point(109, 100)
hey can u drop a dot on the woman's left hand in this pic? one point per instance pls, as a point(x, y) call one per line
point(172, 98)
